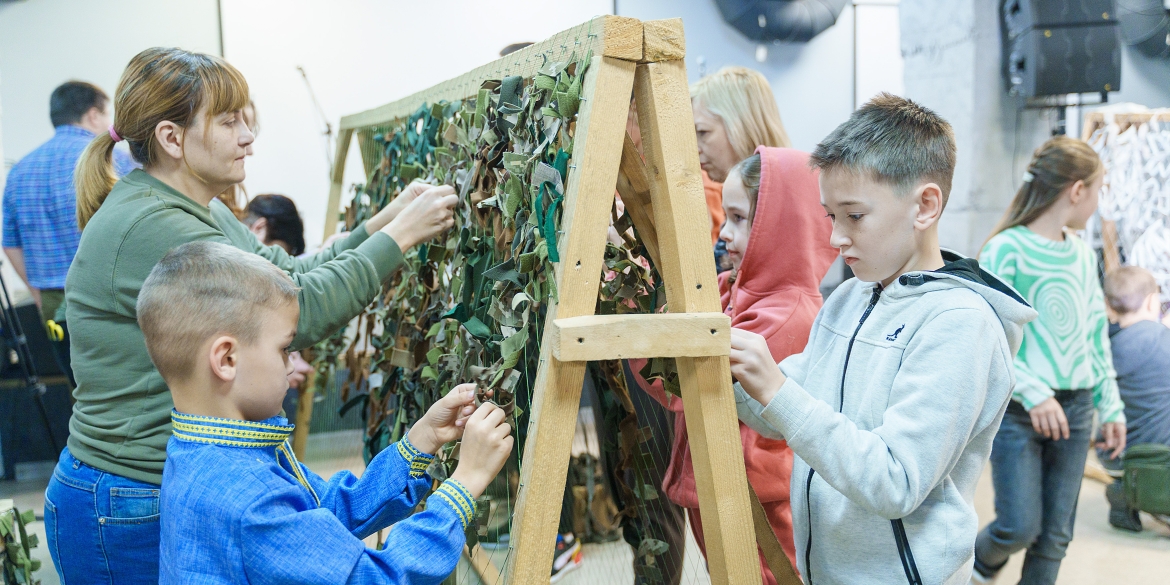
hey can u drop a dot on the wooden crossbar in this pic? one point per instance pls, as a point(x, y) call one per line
point(607, 337)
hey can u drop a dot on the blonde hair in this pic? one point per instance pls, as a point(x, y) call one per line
point(743, 99)
point(1128, 287)
point(1055, 166)
point(203, 289)
point(159, 84)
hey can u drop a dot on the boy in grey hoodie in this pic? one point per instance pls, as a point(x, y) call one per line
point(892, 407)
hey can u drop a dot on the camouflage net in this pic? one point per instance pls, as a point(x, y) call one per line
point(470, 304)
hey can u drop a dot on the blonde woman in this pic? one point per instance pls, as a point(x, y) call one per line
point(735, 112)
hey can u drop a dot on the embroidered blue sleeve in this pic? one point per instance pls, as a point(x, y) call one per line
point(282, 543)
point(388, 490)
point(418, 461)
point(456, 496)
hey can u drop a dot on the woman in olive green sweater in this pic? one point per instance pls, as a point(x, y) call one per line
point(181, 114)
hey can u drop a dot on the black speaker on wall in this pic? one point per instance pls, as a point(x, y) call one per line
point(1056, 47)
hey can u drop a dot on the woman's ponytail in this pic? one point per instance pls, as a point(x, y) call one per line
point(94, 177)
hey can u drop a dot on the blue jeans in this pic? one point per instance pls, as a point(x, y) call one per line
point(102, 528)
point(1037, 482)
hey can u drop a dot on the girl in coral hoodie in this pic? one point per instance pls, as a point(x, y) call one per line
point(777, 238)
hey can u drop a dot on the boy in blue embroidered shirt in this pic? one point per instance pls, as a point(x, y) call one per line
point(236, 505)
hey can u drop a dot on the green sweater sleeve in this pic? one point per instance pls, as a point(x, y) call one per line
point(336, 291)
point(241, 237)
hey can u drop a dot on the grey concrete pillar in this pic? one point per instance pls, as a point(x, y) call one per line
point(951, 50)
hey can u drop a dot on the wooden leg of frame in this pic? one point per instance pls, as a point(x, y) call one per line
point(597, 148)
point(333, 206)
point(304, 415)
point(688, 269)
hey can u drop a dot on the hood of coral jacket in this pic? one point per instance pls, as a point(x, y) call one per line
point(776, 292)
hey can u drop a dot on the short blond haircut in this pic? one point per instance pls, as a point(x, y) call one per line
point(201, 290)
point(743, 99)
point(1127, 288)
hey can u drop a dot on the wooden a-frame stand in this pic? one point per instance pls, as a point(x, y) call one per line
point(664, 196)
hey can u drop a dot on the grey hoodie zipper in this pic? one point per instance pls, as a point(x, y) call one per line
point(873, 300)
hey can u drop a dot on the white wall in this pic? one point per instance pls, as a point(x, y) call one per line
point(1144, 80)
point(44, 43)
point(360, 54)
point(16, 286)
point(878, 64)
point(818, 83)
point(813, 81)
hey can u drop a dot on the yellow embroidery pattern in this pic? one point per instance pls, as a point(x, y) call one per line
point(455, 494)
point(296, 470)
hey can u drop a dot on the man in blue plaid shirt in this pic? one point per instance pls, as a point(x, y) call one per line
point(40, 203)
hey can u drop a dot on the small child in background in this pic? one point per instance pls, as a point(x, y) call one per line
point(1141, 356)
point(1064, 368)
point(777, 240)
point(236, 505)
point(892, 406)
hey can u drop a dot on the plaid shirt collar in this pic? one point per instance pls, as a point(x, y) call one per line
point(272, 432)
point(71, 130)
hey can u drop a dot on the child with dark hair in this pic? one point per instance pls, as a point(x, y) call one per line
point(891, 408)
point(1064, 370)
point(275, 221)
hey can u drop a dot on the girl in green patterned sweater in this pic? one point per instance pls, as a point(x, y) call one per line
point(1064, 369)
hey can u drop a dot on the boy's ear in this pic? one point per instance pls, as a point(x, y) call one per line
point(224, 358)
point(928, 196)
point(1154, 303)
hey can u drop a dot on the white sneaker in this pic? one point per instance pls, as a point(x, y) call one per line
point(977, 578)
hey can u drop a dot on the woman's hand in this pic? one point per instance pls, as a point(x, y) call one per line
point(752, 365)
point(391, 211)
point(1048, 419)
point(444, 421)
point(431, 213)
point(1114, 435)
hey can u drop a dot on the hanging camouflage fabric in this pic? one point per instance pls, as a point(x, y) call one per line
point(470, 305)
point(16, 562)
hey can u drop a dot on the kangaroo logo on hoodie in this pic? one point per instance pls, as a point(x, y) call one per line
point(894, 336)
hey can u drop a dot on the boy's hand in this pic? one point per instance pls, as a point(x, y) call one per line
point(1114, 435)
point(1048, 419)
point(752, 365)
point(445, 420)
point(487, 442)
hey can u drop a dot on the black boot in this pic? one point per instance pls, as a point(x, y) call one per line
point(1121, 516)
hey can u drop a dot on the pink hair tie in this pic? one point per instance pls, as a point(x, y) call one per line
point(114, 134)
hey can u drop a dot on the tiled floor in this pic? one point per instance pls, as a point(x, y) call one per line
point(1098, 554)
